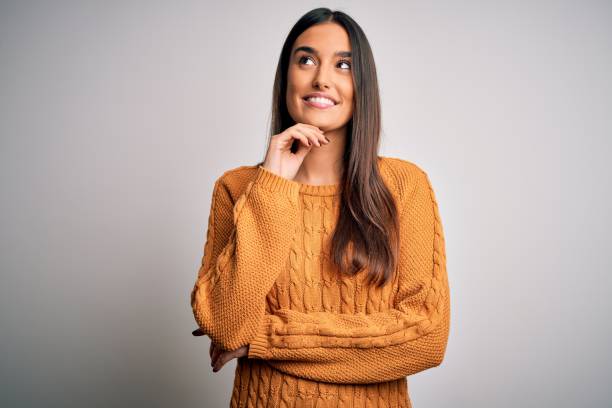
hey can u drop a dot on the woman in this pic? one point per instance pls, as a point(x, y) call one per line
point(324, 267)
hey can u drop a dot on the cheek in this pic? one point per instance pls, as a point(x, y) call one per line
point(348, 95)
point(292, 96)
point(290, 93)
point(293, 90)
point(347, 90)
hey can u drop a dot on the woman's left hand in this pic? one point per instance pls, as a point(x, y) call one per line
point(219, 356)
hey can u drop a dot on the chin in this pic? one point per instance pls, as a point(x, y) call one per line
point(315, 121)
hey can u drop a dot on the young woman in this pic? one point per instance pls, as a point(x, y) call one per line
point(324, 268)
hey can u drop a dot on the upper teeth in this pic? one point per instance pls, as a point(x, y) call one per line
point(319, 99)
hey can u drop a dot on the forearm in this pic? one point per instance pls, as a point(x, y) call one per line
point(228, 298)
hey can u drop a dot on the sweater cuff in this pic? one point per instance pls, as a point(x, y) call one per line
point(258, 347)
point(273, 182)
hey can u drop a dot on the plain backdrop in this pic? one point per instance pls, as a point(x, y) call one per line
point(116, 117)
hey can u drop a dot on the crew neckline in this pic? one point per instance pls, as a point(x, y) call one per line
point(286, 184)
point(318, 189)
point(309, 189)
point(324, 189)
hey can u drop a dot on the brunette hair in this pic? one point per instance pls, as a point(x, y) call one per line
point(367, 232)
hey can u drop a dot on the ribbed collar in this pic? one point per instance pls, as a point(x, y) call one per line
point(319, 189)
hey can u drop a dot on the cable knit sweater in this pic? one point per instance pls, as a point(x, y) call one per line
point(317, 338)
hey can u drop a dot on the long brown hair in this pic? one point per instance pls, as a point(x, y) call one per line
point(367, 231)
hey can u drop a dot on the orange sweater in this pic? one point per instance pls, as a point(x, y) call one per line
point(317, 337)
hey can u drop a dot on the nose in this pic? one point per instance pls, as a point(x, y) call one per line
point(321, 78)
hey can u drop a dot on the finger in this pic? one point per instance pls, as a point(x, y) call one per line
point(294, 133)
point(311, 134)
point(215, 366)
point(216, 353)
point(308, 125)
point(223, 358)
point(318, 133)
point(211, 351)
point(285, 139)
point(323, 138)
point(302, 151)
point(243, 351)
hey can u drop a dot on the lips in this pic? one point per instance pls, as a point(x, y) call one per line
point(321, 95)
point(317, 103)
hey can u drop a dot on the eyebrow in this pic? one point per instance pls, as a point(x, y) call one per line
point(313, 51)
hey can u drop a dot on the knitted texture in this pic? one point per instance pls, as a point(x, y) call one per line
point(316, 337)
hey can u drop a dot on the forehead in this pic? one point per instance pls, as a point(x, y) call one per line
point(326, 38)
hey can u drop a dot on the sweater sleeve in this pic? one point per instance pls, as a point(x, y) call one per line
point(365, 348)
point(247, 245)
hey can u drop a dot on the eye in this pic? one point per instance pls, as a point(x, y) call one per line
point(302, 58)
point(346, 62)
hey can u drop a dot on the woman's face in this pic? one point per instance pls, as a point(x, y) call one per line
point(320, 61)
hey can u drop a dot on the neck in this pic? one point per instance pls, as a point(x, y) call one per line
point(324, 165)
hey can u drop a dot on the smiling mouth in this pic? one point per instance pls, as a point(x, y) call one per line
point(320, 103)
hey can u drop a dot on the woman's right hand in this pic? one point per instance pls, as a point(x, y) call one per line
point(279, 158)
